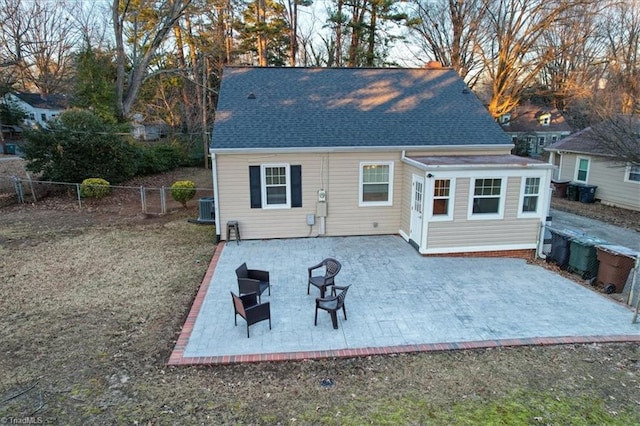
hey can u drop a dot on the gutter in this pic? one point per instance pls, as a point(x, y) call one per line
point(216, 204)
point(331, 149)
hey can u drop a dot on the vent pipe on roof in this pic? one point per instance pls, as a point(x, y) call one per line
point(251, 96)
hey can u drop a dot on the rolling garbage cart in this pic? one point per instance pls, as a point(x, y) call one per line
point(582, 256)
point(615, 264)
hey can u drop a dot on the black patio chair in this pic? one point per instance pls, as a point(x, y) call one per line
point(247, 307)
point(332, 305)
point(252, 281)
point(331, 268)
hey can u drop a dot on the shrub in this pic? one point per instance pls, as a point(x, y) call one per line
point(182, 191)
point(77, 145)
point(94, 188)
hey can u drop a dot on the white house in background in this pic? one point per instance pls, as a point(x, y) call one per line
point(39, 108)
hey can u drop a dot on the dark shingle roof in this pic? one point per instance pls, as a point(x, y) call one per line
point(270, 108)
point(601, 137)
point(37, 100)
point(525, 119)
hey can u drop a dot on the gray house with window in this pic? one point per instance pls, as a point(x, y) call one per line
point(580, 158)
point(309, 152)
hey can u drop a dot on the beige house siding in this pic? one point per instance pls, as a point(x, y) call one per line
point(465, 234)
point(609, 177)
point(337, 173)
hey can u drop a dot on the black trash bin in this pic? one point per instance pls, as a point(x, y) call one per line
point(561, 246)
point(573, 191)
point(587, 193)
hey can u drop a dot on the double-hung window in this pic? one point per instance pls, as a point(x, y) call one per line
point(633, 173)
point(582, 169)
point(487, 200)
point(376, 184)
point(441, 197)
point(530, 196)
point(275, 186)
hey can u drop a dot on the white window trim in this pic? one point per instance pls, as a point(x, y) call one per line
point(627, 174)
point(389, 202)
point(577, 169)
point(263, 186)
point(501, 202)
point(523, 184)
point(431, 197)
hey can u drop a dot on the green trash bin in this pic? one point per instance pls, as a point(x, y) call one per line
point(11, 149)
point(583, 258)
point(573, 191)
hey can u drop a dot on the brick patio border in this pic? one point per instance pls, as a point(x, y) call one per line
point(177, 356)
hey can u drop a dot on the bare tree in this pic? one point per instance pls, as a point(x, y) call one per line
point(621, 37)
point(448, 31)
point(617, 137)
point(513, 56)
point(146, 38)
point(38, 38)
point(615, 102)
point(577, 59)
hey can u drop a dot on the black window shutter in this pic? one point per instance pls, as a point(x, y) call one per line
point(296, 186)
point(254, 187)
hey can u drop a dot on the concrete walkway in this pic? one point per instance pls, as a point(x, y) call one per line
point(398, 302)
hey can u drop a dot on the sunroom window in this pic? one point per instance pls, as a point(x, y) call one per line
point(486, 196)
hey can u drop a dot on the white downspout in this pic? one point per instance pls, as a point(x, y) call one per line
point(216, 204)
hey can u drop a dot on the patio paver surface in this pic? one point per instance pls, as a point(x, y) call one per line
point(399, 301)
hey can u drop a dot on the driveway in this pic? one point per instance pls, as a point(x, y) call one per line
point(399, 301)
point(611, 234)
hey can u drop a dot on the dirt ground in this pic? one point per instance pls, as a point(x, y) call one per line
point(91, 303)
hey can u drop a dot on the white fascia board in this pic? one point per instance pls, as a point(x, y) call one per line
point(488, 167)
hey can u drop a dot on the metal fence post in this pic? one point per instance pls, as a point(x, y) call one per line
point(17, 185)
point(79, 197)
point(163, 201)
point(143, 199)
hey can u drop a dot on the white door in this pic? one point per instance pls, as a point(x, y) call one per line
point(417, 208)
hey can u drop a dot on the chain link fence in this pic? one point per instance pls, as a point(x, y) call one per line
point(611, 268)
point(120, 200)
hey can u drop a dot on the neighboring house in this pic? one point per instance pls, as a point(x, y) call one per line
point(580, 158)
point(307, 152)
point(150, 131)
point(39, 108)
point(535, 126)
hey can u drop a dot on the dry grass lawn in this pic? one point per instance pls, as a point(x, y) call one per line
point(90, 307)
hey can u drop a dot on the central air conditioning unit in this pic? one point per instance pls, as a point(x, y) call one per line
point(206, 212)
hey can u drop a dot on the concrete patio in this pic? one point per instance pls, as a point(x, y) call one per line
point(399, 301)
